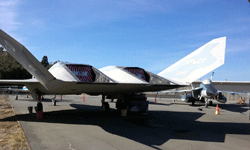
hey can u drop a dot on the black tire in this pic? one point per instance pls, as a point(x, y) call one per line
point(105, 107)
point(210, 103)
point(39, 106)
point(193, 101)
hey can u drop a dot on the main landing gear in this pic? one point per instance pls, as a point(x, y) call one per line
point(193, 101)
point(16, 95)
point(39, 106)
point(208, 102)
point(39, 98)
point(127, 103)
point(54, 100)
point(105, 105)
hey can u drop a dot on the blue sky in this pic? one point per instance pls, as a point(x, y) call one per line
point(151, 34)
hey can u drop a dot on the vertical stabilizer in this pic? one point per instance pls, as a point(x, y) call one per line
point(25, 58)
point(197, 64)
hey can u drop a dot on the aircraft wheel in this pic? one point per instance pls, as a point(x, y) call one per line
point(105, 107)
point(125, 111)
point(54, 102)
point(16, 97)
point(211, 103)
point(39, 106)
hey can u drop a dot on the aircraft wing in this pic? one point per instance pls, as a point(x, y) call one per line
point(185, 91)
point(91, 88)
point(109, 88)
point(233, 93)
point(231, 86)
point(19, 82)
point(26, 59)
point(27, 82)
point(13, 89)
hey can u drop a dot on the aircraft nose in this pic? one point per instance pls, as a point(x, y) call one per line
point(223, 100)
point(210, 93)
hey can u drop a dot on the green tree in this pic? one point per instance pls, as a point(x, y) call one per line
point(10, 68)
point(45, 62)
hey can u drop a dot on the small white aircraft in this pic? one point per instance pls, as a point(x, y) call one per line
point(15, 89)
point(205, 92)
point(112, 82)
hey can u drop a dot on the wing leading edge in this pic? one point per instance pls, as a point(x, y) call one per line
point(26, 59)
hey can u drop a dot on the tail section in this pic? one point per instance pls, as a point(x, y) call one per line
point(25, 58)
point(197, 64)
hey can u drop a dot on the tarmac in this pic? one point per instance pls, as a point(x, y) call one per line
point(75, 125)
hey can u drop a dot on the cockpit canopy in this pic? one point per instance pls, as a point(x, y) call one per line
point(207, 81)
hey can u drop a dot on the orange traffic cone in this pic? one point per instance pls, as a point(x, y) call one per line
point(217, 112)
point(243, 103)
point(83, 97)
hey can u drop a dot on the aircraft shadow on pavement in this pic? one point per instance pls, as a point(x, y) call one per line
point(229, 107)
point(156, 128)
point(153, 103)
point(234, 107)
point(44, 100)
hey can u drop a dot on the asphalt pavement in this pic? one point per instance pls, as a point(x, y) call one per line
point(76, 125)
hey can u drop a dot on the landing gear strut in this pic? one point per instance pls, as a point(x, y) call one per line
point(105, 105)
point(122, 106)
point(193, 101)
point(39, 106)
point(54, 100)
point(206, 102)
point(37, 97)
point(210, 103)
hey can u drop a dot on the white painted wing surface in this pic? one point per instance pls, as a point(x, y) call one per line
point(184, 91)
point(197, 64)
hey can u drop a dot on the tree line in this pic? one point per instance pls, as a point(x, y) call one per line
point(11, 69)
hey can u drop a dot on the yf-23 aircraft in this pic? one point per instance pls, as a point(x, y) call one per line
point(112, 82)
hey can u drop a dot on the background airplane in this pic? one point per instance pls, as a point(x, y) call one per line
point(121, 83)
point(206, 92)
point(15, 90)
